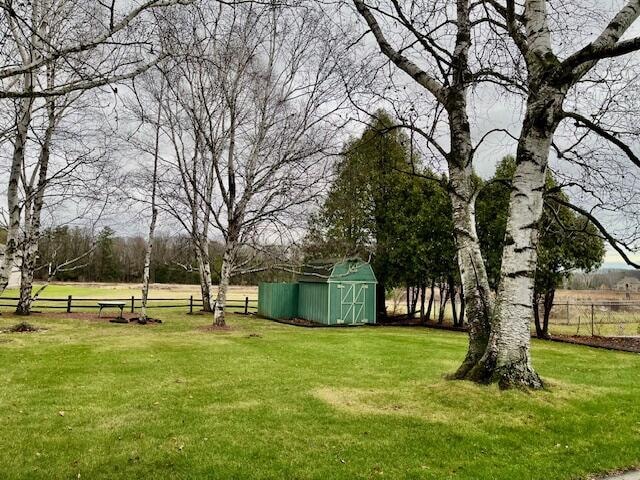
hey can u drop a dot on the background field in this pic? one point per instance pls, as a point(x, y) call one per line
point(576, 312)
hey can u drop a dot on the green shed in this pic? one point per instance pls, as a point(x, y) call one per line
point(342, 293)
point(278, 300)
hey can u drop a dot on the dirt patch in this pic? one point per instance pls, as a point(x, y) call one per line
point(625, 344)
point(22, 327)
point(214, 328)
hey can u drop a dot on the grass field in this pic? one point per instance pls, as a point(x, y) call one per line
point(87, 399)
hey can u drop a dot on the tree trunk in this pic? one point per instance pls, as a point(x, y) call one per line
point(443, 303)
point(154, 217)
point(381, 304)
point(13, 189)
point(548, 305)
point(454, 312)
point(423, 293)
point(431, 297)
point(462, 307)
point(536, 316)
point(415, 292)
point(507, 358)
point(473, 274)
point(34, 203)
point(408, 301)
point(225, 276)
point(204, 270)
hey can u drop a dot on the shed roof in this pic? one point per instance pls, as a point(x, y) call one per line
point(349, 270)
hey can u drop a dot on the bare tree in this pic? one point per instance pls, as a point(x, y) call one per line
point(247, 113)
point(433, 46)
point(550, 79)
point(99, 44)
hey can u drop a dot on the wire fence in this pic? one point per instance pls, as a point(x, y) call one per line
point(131, 304)
point(603, 319)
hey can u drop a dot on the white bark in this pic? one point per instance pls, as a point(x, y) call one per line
point(204, 270)
point(453, 97)
point(507, 359)
point(33, 214)
point(475, 283)
point(223, 287)
point(13, 198)
point(154, 217)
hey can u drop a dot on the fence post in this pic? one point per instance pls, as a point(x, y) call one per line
point(246, 305)
point(592, 314)
point(69, 304)
point(133, 304)
point(191, 304)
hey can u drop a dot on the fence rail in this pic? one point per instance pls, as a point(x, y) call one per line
point(70, 303)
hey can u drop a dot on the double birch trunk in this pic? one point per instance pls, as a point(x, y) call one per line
point(13, 189)
point(33, 215)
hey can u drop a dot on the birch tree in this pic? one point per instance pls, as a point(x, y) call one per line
point(101, 43)
point(145, 117)
point(552, 75)
point(279, 100)
point(432, 46)
point(250, 105)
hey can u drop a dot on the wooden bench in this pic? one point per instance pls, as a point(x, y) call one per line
point(119, 305)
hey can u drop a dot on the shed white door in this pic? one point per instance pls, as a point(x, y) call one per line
point(352, 302)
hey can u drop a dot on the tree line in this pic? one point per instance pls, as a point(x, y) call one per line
point(119, 259)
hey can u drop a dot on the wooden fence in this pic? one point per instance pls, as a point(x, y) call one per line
point(244, 306)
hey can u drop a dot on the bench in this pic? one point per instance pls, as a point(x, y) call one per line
point(119, 305)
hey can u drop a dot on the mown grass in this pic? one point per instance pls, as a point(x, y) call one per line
point(269, 401)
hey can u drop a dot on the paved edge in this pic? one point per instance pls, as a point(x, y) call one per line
point(635, 475)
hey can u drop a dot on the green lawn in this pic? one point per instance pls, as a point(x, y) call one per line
point(270, 401)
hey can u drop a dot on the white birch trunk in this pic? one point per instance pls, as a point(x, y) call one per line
point(147, 263)
point(507, 359)
point(13, 199)
point(146, 274)
point(223, 287)
point(204, 270)
point(473, 274)
point(33, 210)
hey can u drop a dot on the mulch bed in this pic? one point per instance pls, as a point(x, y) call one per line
point(625, 344)
point(404, 321)
point(214, 328)
point(301, 322)
point(22, 327)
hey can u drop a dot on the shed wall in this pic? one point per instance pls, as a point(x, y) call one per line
point(313, 302)
point(278, 300)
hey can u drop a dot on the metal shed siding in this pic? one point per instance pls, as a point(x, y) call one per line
point(278, 300)
point(313, 300)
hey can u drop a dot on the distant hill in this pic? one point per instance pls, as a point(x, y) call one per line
point(605, 278)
